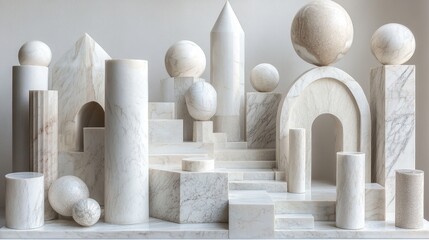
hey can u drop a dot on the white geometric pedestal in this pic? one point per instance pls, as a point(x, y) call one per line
point(198, 164)
point(162, 110)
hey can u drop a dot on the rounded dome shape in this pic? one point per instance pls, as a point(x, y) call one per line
point(185, 59)
point(201, 100)
point(86, 212)
point(35, 53)
point(393, 44)
point(65, 192)
point(264, 77)
point(322, 32)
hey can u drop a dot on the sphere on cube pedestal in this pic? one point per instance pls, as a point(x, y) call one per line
point(264, 77)
point(185, 59)
point(201, 101)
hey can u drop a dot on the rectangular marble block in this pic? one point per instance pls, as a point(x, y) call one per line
point(261, 110)
point(165, 131)
point(393, 119)
point(294, 221)
point(374, 202)
point(161, 110)
point(188, 197)
point(203, 131)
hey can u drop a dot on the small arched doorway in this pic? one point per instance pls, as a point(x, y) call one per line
point(90, 115)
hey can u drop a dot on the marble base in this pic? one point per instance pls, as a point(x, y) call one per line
point(166, 131)
point(162, 110)
point(198, 164)
point(374, 202)
point(229, 125)
point(181, 148)
point(294, 221)
point(203, 131)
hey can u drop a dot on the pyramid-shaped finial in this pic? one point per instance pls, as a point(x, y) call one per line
point(227, 20)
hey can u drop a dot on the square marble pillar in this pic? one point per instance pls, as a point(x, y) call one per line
point(393, 119)
point(261, 118)
point(203, 131)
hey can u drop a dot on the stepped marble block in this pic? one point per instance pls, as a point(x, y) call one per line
point(261, 118)
point(393, 96)
point(44, 140)
point(251, 215)
point(79, 78)
point(174, 90)
point(161, 110)
point(165, 131)
point(181, 148)
point(198, 164)
point(294, 221)
point(203, 131)
point(188, 197)
point(409, 199)
point(374, 202)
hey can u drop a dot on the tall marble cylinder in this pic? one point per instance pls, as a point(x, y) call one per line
point(227, 74)
point(44, 140)
point(24, 79)
point(409, 199)
point(24, 200)
point(126, 142)
point(296, 170)
point(350, 207)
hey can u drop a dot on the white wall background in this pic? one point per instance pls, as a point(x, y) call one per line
point(145, 29)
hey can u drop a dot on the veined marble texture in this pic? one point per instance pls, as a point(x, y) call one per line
point(261, 118)
point(79, 78)
point(374, 202)
point(86, 212)
point(201, 101)
point(393, 117)
point(325, 90)
point(188, 197)
point(185, 59)
point(161, 110)
point(44, 140)
point(227, 74)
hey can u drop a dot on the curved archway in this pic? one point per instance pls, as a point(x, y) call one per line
point(90, 115)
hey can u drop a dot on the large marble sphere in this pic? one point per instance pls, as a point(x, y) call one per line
point(86, 212)
point(201, 100)
point(264, 77)
point(322, 32)
point(185, 59)
point(393, 44)
point(35, 53)
point(65, 192)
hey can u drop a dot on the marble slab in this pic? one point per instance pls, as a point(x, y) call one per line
point(181, 148)
point(165, 131)
point(294, 221)
point(245, 154)
point(266, 185)
point(172, 160)
point(161, 110)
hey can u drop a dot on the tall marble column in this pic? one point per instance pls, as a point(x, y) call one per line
point(350, 207)
point(227, 74)
point(24, 79)
point(126, 142)
point(296, 170)
point(44, 140)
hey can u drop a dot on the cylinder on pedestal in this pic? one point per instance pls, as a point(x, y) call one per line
point(350, 207)
point(24, 200)
point(296, 171)
point(24, 79)
point(126, 142)
point(409, 199)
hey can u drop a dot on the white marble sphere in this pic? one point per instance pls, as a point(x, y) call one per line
point(264, 77)
point(185, 59)
point(86, 212)
point(65, 192)
point(201, 100)
point(393, 44)
point(35, 53)
point(322, 32)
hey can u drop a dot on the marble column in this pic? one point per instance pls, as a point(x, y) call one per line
point(296, 170)
point(350, 207)
point(24, 79)
point(409, 199)
point(227, 74)
point(126, 142)
point(24, 200)
point(44, 140)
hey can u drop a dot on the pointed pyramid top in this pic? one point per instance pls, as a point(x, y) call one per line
point(227, 20)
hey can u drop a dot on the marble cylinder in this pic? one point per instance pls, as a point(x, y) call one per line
point(126, 142)
point(24, 79)
point(24, 200)
point(296, 170)
point(409, 199)
point(350, 207)
point(44, 140)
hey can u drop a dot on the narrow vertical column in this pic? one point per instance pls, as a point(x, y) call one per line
point(296, 171)
point(350, 207)
point(25, 78)
point(409, 199)
point(126, 136)
point(44, 140)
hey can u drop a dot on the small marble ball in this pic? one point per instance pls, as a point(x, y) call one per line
point(86, 212)
point(264, 77)
point(35, 53)
point(322, 32)
point(201, 100)
point(65, 192)
point(185, 59)
point(393, 44)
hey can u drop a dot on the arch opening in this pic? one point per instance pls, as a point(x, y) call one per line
point(90, 115)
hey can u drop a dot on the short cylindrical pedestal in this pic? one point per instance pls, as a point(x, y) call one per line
point(25, 78)
point(409, 199)
point(24, 200)
point(296, 170)
point(198, 164)
point(126, 142)
point(350, 208)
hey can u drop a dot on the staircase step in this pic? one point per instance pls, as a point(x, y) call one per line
point(220, 138)
point(245, 154)
point(267, 185)
point(161, 110)
point(181, 148)
point(165, 131)
point(248, 174)
point(171, 159)
point(245, 164)
point(231, 145)
point(294, 221)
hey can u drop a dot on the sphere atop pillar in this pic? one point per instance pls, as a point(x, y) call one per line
point(35, 53)
point(185, 59)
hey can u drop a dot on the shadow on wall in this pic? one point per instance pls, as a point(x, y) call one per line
point(90, 115)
